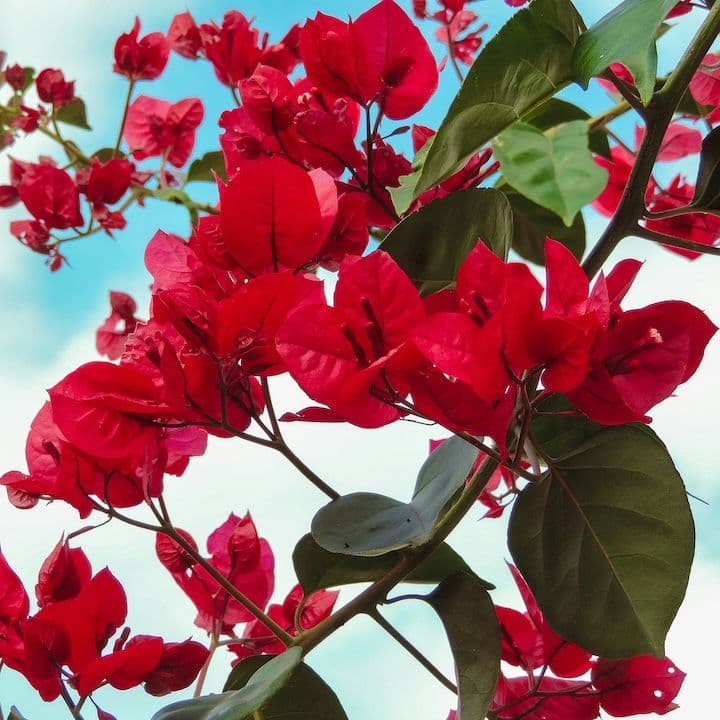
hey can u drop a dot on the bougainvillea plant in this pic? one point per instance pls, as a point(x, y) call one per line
point(544, 387)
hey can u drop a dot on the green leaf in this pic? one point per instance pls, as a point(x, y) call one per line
point(74, 113)
point(367, 524)
point(15, 714)
point(108, 153)
point(304, 696)
point(317, 568)
point(28, 79)
point(533, 223)
point(527, 62)
point(557, 112)
point(179, 197)
point(625, 35)
point(554, 168)
point(606, 539)
point(707, 187)
point(431, 244)
point(468, 616)
point(238, 704)
point(201, 170)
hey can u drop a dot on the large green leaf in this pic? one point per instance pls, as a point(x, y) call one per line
point(367, 524)
point(527, 62)
point(625, 35)
point(533, 223)
point(74, 113)
point(304, 696)
point(317, 568)
point(238, 704)
point(554, 169)
point(556, 112)
point(606, 539)
point(472, 628)
point(202, 169)
point(431, 244)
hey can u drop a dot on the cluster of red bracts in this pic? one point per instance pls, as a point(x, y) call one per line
point(621, 688)
point(235, 303)
point(64, 642)
point(246, 561)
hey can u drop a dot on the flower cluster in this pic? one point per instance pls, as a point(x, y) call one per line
point(79, 612)
point(551, 684)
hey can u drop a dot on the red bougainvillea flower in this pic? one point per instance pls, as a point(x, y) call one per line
point(256, 638)
point(641, 360)
point(142, 59)
point(275, 215)
point(78, 615)
point(679, 142)
point(53, 88)
point(463, 48)
point(106, 182)
point(105, 410)
point(231, 48)
point(637, 686)
point(109, 339)
point(697, 227)
point(15, 76)
point(619, 167)
point(183, 36)
point(381, 56)
point(682, 8)
point(238, 554)
point(349, 355)
point(705, 83)
point(561, 699)
point(158, 128)
point(51, 196)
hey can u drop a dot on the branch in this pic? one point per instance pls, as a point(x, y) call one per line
point(675, 242)
point(377, 592)
point(402, 640)
point(660, 114)
point(627, 91)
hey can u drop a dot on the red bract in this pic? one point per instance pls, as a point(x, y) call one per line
point(637, 686)
point(679, 142)
point(106, 182)
point(109, 339)
point(179, 664)
point(53, 88)
point(143, 59)
point(619, 167)
point(643, 357)
point(463, 48)
point(312, 610)
point(560, 699)
point(15, 76)
point(183, 36)
point(276, 215)
point(51, 196)
point(106, 410)
point(239, 555)
point(231, 48)
point(697, 227)
point(63, 574)
point(349, 355)
point(158, 128)
point(380, 57)
point(705, 84)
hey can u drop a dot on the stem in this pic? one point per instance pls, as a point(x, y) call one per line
point(600, 121)
point(204, 670)
point(451, 54)
point(627, 92)
point(402, 640)
point(377, 592)
point(74, 710)
point(660, 113)
point(131, 87)
point(675, 242)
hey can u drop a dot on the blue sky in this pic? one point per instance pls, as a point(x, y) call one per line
point(48, 324)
